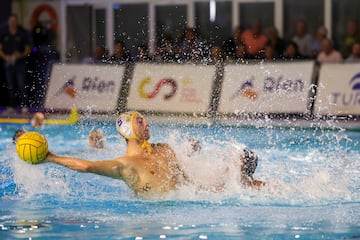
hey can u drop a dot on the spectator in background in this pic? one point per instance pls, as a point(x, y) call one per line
point(216, 54)
point(120, 56)
point(100, 56)
point(269, 53)
point(303, 39)
point(355, 54)
point(320, 35)
point(41, 58)
point(231, 44)
point(254, 40)
point(142, 54)
point(14, 48)
point(328, 54)
point(275, 42)
point(240, 53)
point(192, 49)
point(165, 50)
point(3, 89)
point(351, 37)
point(291, 51)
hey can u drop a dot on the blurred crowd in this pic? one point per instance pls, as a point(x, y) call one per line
point(26, 62)
point(244, 44)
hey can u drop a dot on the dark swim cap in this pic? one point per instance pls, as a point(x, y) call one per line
point(250, 162)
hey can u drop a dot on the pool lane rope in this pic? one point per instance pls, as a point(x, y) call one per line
point(72, 119)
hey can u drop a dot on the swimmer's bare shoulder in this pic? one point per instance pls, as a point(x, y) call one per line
point(166, 151)
point(164, 148)
point(160, 145)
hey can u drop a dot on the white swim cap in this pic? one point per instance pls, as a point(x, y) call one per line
point(125, 125)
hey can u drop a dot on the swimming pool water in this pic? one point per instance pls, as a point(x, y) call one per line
point(312, 191)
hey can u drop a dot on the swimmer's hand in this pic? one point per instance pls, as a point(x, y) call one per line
point(253, 183)
point(49, 156)
point(258, 184)
point(195, 146)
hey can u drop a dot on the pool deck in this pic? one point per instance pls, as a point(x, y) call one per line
point(332, 124)
point(175, 120)
point(263, 121)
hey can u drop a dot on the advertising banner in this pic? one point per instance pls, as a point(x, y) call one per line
point(171, 88)
point(338, 90)
point(88, 87)
point(266, 88)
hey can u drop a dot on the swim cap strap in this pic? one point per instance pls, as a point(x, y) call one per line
point(146, 145)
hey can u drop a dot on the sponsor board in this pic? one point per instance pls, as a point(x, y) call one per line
point(88, 87)
point(338, 90)
point(266, 88)
point(171, 88)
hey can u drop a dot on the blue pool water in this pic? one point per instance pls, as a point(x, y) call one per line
point(312, 191)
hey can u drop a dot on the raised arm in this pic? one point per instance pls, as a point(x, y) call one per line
point(109, 168)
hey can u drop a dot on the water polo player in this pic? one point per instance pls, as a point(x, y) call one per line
point(149, 169)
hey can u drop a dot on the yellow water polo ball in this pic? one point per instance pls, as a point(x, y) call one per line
point(32, 147)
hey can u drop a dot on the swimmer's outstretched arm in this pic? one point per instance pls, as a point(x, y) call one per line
point(109, 168)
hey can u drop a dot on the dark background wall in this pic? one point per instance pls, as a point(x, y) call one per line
point(5, 10)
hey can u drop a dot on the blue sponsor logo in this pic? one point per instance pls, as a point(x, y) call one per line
point(68, 83)
point(248, 84)
point(355, 82)
point(89, 85)
point(95, 85)
point(348, 99)
point(273, 84)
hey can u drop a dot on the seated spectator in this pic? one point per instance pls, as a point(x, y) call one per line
point(303, 39)
point(39, 63)
point(320, 35)
point(192, 49)
point(216, 54)
point(277, 44)
point(100, 56)
point(165, 50)
point(230, 44)
point(351, 37)
point(254, 40)
point(328, 54)
point(291, 51)
point(355, 54)
point(269, 53)
point(142, 54)
point(120, 55)
point(240, 52)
